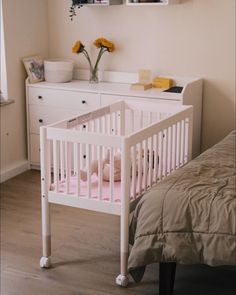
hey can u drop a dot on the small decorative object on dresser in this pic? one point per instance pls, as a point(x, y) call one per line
point(144, 83)
point(34, 68)
point(104, 46)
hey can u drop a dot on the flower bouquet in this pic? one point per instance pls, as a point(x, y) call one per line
point(101, 43)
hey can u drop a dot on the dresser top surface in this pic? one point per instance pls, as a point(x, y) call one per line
point(109, 88)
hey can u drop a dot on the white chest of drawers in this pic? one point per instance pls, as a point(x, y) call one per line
point(50, 102)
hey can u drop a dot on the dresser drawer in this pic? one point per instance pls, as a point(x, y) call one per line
point(40, 116)
point(82, 101)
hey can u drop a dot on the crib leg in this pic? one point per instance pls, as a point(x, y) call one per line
point(45, 261)
point(122, 279)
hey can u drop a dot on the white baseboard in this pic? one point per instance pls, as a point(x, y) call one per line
point(14, 170)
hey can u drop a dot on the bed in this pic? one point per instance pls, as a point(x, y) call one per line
point(188, 218)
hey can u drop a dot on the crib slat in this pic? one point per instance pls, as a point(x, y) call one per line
point(140, 168)
point(88, 158)
point(99, 125)
point(110, 123)
point(169, 150)
point(111, 184)
point(56, 165)
point(62, 159)
point(190, 137)
point(122, 119)
point(100, 173)
point(133, 181)
point(49, 161)
point(78, 171)
point(166, 141)
point(68, 165)
point(155, 158)
point(166, 151)
point(113, 128)
point(74, 158)
point(145, 160)
point(174, 146)
point(179, 144)
point(93, 129)
point(118, 119)
point(183, 140)
point(186, 140)
point(160, 152)
point(150, 168)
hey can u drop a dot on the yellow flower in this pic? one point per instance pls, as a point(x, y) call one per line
point(102, 42)
point(78, 47)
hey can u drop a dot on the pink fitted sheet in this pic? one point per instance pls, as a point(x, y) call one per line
point(94, 188)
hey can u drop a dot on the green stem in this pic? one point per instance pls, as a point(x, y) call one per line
point(102, 50)
point(87, 56)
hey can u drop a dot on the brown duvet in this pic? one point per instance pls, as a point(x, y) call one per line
point(190, 217)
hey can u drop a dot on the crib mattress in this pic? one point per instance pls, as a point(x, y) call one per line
point(73, 184)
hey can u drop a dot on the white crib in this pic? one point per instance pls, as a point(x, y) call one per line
point(154, 139)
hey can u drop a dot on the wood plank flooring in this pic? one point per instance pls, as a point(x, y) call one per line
point(85, 251)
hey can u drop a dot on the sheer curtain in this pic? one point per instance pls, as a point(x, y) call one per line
point(3, 77)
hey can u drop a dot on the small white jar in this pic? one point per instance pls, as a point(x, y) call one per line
point(58, 70)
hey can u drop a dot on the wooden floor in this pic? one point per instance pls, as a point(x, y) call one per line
point(85, 251)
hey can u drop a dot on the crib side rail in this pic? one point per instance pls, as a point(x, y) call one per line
point(138, 136)
point(77, 136)
point(158, 150)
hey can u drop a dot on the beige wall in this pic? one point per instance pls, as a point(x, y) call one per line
point(196, 38)
point(25, 34)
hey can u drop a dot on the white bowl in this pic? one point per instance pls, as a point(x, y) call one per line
point(58, 70)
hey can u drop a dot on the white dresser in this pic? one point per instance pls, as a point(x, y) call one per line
point(50, 102)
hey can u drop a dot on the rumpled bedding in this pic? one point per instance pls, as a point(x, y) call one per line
point(190, 217)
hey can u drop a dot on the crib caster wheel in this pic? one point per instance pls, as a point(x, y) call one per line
point(45, 262)
point(122, 281)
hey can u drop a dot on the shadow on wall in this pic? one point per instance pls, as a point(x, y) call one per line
point(217, 113)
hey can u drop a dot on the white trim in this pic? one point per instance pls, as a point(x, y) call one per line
point(14, 170)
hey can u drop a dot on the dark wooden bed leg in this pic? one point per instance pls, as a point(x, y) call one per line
point(166, 278)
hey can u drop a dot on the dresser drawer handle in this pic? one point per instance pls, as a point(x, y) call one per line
point(40, 97)
point(83, 101)
point(40, 120)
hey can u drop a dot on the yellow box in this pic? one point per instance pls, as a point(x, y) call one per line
point(160, 82)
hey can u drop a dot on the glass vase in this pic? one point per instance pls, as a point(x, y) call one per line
point(93, 75)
